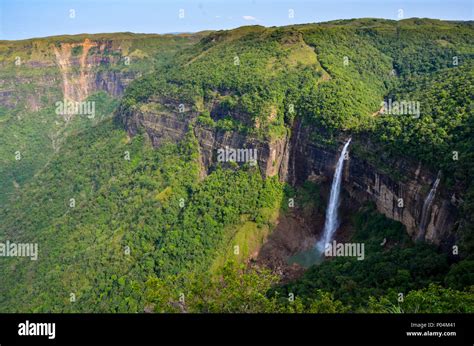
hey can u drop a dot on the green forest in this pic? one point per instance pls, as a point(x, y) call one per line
point(126, 226)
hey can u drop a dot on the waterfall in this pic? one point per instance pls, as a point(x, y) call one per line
point(332, 222)
point(426, 211)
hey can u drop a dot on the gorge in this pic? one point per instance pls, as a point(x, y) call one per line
point(150, 196)
point(313, 161)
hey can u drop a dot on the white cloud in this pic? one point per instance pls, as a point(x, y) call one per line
point(249, 18)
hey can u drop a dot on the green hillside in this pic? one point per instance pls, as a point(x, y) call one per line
point(125, 227)
point(31, 77)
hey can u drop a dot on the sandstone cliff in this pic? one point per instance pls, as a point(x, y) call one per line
point(272, 157)
point(398, 193)
point(399, 189)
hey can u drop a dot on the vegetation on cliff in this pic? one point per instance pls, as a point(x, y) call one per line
point(393, 267)
point(108, 213)
point(123, 227)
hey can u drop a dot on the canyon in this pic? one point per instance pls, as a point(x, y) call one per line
point(294, 157)
point(297, 158)
point(182, 209)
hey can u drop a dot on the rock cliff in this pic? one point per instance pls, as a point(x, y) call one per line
point(272, 156)
point(72, 71)
point(399, 189)
point(399, 192)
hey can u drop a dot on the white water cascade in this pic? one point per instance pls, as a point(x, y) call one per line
point(332, 221)
point(426, 211)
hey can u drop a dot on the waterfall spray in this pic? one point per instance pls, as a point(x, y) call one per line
point(332, 221)
point(426, 211)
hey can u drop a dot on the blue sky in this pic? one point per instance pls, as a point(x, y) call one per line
point(20, 19)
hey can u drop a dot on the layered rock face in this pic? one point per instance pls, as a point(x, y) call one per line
point(77, 69)
point(400, 194)
point(272, 157)
point(11, 96)
point(80, 77)
point(406, 200)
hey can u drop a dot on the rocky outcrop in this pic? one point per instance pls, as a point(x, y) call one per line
point(80, 75)
point(34, 88)
point(404, 199)
point(75, 70)
point(112, 82)
point(162, 127)
point(399, 193)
